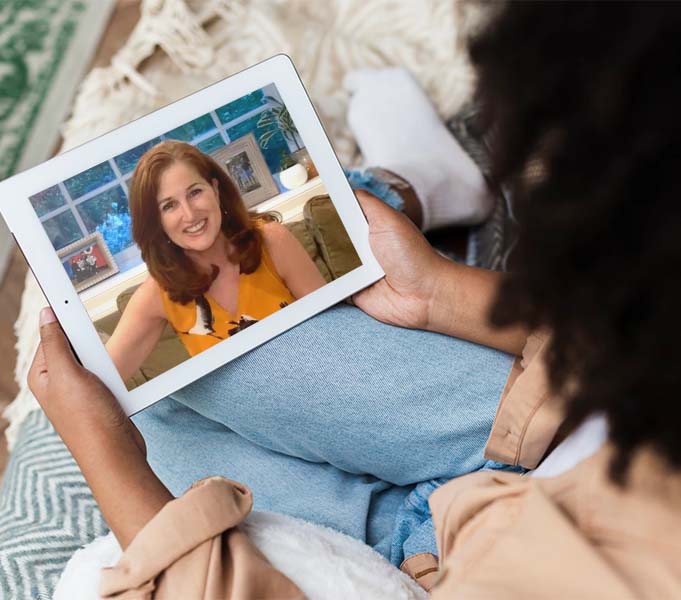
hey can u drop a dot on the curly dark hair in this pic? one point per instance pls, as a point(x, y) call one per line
point(581, 101)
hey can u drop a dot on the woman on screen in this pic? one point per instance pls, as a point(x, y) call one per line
point(214, 268)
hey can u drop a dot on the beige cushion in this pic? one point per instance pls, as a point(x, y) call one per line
point(301, 232)
point(332, 239)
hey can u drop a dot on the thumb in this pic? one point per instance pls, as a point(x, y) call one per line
point(374, 209)
point(55, 347)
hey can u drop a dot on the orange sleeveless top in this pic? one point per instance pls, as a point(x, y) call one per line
point(204, 323)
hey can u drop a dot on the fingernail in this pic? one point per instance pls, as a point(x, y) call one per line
point(47, 316)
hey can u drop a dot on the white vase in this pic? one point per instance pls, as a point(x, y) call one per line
point(293, 177)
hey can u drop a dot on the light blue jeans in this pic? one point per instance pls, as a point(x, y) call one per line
point(343, 421)
point(337, 421)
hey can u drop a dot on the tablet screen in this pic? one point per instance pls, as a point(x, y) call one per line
point(237, 180)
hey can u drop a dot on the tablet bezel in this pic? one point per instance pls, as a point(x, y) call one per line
point(42, 258)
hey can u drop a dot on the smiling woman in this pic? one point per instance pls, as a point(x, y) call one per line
point(214, 268)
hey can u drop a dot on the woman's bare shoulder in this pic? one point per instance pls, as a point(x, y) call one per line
point(147, 296)
point(148, 288)
point(275, 235)
point(273, 229)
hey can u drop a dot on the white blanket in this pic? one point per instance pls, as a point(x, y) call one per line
point(323, 563)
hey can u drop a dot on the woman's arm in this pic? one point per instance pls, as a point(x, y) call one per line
point(460, 304)
point(139, 329)
point(423, 290)
point(106, 445)
point(291, 261)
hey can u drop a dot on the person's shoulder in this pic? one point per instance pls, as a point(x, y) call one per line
point(149, 287)
point(150, 296)
point(277, 236)
point(281, 245)
point(273, 231)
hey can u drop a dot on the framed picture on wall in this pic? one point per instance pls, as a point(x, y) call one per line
point(88, 261)
point(244, 163)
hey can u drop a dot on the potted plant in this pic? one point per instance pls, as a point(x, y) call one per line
point(278, 119)
point(292, 174)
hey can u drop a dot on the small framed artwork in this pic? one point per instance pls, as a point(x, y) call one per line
point(246, 167)
point(88, 261)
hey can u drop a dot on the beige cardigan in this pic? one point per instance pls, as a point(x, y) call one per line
point(499, 535)
point(191, 549)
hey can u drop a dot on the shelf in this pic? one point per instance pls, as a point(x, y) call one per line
point(290, 204)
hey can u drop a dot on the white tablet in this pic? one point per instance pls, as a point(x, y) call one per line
point(86, 218)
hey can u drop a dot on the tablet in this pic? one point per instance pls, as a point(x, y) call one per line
point(86, 218)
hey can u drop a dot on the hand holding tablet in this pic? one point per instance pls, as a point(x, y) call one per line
point(404, 296)
point(178, 212)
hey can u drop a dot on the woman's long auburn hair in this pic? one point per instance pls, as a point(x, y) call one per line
point(172, 269)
